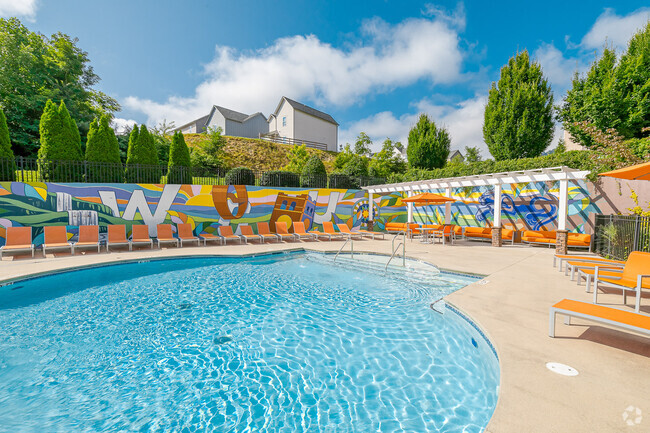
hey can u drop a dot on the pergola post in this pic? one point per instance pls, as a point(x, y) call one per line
point(562, 234)
point(409, 208)
point(496, 225)
point(371, 216)
point(448, 206)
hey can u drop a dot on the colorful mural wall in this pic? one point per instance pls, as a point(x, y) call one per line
point(524, 206)
point(204, 207)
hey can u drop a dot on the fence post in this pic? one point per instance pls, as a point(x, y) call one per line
point(636, 233)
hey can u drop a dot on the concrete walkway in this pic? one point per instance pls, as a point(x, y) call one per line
point(512, 308)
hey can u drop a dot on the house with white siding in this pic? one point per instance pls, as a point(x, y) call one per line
point(194, 127)
point(236, 124)
point(297, 123)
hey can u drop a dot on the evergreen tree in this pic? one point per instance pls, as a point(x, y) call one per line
point(179, 167)
point(103, 153)
point(518, 119)
point(142, 158)
point(428, 145)
point(58, 144)
point(314, 174)
point(7, 161)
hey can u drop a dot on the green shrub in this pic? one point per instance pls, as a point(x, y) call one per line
point(7, 160)
point(280, 178)
point(59, 142)
point(577, 159)
point(103, 153)
point(314, 174)
point(343, 181)
point(240, 176)
point(179, 168)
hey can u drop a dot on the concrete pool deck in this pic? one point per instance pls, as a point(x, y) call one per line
point(512, 307)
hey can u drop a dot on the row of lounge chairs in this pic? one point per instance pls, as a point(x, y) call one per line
point(19, 239)
point(629, 276)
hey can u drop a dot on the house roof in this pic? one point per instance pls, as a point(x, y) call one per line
point(233, 115)
point(200, 120)
point(454, 153)
point(305, 109)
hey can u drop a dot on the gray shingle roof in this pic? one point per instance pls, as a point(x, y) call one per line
point(235, 115)
point(311, 111)
point(201, 121)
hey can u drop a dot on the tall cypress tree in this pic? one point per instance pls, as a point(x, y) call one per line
point(71, 132)
point(518, 118)
point(142, 157)
point(7, 161)
point(179, 167)
point(103, 153)
point(58, 143)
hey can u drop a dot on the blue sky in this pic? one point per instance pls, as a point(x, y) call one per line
point(373, 65)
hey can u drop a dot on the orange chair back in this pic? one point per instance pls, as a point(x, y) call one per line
point(185, 231)
point(343, 228)
point(55, 235)
point(117, 233)
point(140, 232)
point(263, 229)
point(17, 236)
point(89, 234)
point(638, 263)
point(226, 231)
point(164, 231)
point(246, 230)
point(281, 228)
point(299, 227)
point(328, 227)
point(448, 229)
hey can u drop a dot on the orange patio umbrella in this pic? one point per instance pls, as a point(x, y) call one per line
point(427, 198)
point(634, 172)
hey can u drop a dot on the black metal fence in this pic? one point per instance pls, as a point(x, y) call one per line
point(616, 236)
point(33, 170)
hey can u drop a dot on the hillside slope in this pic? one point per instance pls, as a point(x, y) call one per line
point(259, 154)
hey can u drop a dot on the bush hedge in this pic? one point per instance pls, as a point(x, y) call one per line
point(240, 176)
point(280, 178)
point(578, 159)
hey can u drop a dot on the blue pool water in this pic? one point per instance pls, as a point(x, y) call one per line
point(281, 343)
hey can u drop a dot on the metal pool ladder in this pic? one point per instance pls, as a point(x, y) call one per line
point(343, 246)
point(402, 244)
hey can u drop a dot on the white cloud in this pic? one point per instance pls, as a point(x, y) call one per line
point(18, 8)
point(303, 67)
point(121, 125)
point(463, 120)
point(615, 29)
point(558, 69)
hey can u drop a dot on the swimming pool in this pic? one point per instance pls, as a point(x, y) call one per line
point(278, 343)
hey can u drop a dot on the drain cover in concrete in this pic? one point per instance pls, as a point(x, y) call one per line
point(562, 369)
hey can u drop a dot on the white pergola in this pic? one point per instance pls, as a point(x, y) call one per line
point(562, 174)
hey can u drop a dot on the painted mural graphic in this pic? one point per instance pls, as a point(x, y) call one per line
point(524, 206)
point(204, 207)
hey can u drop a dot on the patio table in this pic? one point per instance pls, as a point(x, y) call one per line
point(426, 237)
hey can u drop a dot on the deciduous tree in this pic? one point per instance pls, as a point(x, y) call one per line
point(428, 145)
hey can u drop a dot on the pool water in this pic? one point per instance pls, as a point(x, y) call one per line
point(279, 343)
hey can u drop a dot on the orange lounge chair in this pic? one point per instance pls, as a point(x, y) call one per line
point(588, 275)
point(56, 237)
point(371, 234)
point(18, 239)
point(563, 258)
point(227, 234)
point(318, 234)
point(264, 231)
point(635, 277)
point(210, 237)
point(328, 227)
point(597, 313)
point(140, 235)
point(117, 236)
point(185, 234)
point(88, 237)
point(164, 235)
point(282, 231)
point(246, 233)
point(299, 230)
point(343, 228)
point(575, 266)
